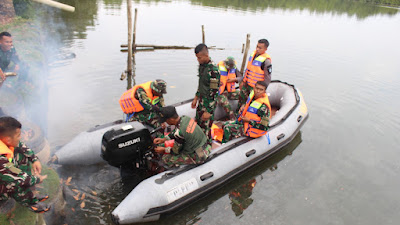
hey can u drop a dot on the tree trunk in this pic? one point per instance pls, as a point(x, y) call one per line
point(7, 12)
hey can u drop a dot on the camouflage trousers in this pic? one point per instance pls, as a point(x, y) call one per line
point(147, 117)
point(232, 130)
point(243, 95)
point(172, 160)
point(21, 194)
point(223, 100)
point(204, 125)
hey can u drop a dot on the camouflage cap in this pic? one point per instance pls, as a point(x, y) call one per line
point(159, 86)
point(230, 62)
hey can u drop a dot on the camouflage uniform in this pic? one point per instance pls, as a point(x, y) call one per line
point(246, 89)
point(235, 129)
point(243, 95)
point(149, 114)
point(16, 177)
point(225, 96)
point(207, 92)
point(223, 100)
point(7, 57)
point(188, 137)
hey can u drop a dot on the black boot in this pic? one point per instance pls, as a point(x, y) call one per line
point(39, 207)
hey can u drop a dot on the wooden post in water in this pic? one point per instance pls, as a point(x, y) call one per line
point(203, 35)
point(245, 53)
point(134, 48)
point(129, 70)
point(134, 33)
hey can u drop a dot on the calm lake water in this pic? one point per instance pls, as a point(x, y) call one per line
point(344, 166)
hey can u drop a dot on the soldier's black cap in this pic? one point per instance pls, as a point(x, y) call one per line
point(167, 112)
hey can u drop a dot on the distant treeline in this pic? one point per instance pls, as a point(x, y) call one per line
point(382, 2)
point(361, 8)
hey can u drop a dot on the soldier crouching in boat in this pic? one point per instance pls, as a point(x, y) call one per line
point(191, 144)
point(142, 102)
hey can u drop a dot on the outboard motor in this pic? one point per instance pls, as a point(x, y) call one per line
point(127, 145)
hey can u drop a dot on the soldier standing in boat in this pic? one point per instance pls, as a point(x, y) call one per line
point(259, 68)
point(207, 91)
point(190, 143)
point(227, 91)
point(253, 119)
point(142, 102)
point(16, 163)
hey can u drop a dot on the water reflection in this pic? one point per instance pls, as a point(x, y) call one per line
point(238, 191)
point(240, 197)
point(74, 25)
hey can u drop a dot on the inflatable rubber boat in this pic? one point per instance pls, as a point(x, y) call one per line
point(171, 190)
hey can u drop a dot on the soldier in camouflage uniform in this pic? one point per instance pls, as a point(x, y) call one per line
point(262, 69)
point(149, 115)
point(235, 129)
point(8, 54)
point(190, 146)
point(225, 95)
point(16, 165)
point(207, 91)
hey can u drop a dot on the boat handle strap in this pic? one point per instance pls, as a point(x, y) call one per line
point(250, 153)
point(206, 176)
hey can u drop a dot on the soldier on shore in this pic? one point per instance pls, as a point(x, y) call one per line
point(16, 162)
point(8, 54)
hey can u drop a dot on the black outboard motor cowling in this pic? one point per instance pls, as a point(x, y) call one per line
point(128, 144)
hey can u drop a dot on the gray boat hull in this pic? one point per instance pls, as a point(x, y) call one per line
point(171, 190)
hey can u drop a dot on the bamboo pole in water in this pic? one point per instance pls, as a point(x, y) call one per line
point(129, 70)
point(159, 46)
point(155, 47)
point(245, 53)
point(134, 32)
point(203, 35)
point(134, 49)
point(57, 5)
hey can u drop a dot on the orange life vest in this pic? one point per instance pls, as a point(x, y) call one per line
point(250, 111)
point(128, 102)
point(216, 133)
point(225, 75)
point(254, 72)
point(8, 152)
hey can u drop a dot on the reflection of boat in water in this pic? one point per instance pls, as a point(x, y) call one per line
point(240, 197)
point(171, 190)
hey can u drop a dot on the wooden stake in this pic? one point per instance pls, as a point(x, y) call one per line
point(245, 53)
point(129, 70)
point(134, 32)
point(158, 46)
point(203, 35)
